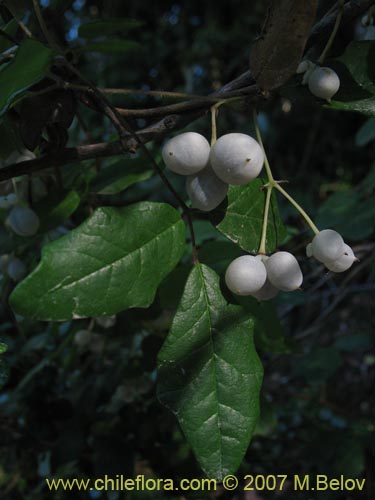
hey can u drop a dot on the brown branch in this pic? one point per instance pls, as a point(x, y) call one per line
point(323, 28)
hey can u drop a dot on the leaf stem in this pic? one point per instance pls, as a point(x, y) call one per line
point(334, 32)
point(298, 207)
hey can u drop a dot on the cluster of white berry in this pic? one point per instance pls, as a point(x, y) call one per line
point(263, 277)
point(323, 82)
point(329, 248)
point(233, 159)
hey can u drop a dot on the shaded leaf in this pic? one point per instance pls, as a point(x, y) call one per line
point(241, 218)
point(356, 69)
point(55, 208)
point(120, 175)
point(112, 46)
point(210, 374)
point(276, 54)
point(115, 260)
point(366, 133)
point(105, 27)
point(30, 65)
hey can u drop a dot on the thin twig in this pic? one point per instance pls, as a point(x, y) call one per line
point(23, 27)
point(38, 12)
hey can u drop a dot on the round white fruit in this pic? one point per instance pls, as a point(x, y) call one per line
point(267, 292)
point(327, 246)
point(283, 271)
point(23, 221)
point(8, 201)
point(344, 262)
point(16, 269)
point(206, 191)
point(245, 275)
point(186, 154)
point(82, 337)
point(324, 83)
point(236, 158)
point(106, 321)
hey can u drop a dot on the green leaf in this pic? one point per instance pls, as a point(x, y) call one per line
point(366, 133)
point(269, 335)
point(11, 29)
point(337, 212)
point(356, 68)
point(120, 175)
point(210, 374)
point(241, 219)
point(31, 63)
point(113, 46)
point(115, 260)
point(105, 27)
point(56, 208)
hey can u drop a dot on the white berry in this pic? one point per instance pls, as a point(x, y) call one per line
point(245, 275)
point(236, 158)
point(327, 246)
point(344, 262)
point(267, 292)
point(187, 153)
point(206, 190)
point(82, 337)
point(16, 269)
point(8, 201)
point(324, 83)
point(23, 221)
point(283, 271)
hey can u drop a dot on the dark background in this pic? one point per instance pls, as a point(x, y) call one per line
point(88, 412)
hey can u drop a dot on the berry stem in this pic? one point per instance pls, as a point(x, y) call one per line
point(262, 247)
point(333, 34)
point(298, 207)
point(213, 110)
point(259, 137)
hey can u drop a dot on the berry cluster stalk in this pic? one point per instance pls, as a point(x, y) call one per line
point(273, 184)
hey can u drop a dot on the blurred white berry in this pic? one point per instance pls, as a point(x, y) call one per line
point(82, 338)
point(8, 201)
point(16, 269)
point(23, 221)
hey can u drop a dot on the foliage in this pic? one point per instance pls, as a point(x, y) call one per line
point(113, 256)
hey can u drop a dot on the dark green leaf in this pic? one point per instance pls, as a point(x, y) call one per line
point(56, 208)
point(366, 133)
point(277, 52)
point(115, 260)
point(11, 29)
point(210, 374)
point(241, 219)
point(268, 332)
point(337, 212)
point(104, 27)
point(356, 68)
point(120, 175)
point(30, 65)
point(112, 46)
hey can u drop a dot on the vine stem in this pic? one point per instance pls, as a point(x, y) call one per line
point(273, 184)
point(38, 12)
point(333, 34)
point(298, 207)
point(259, 137)
point(262, 247)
